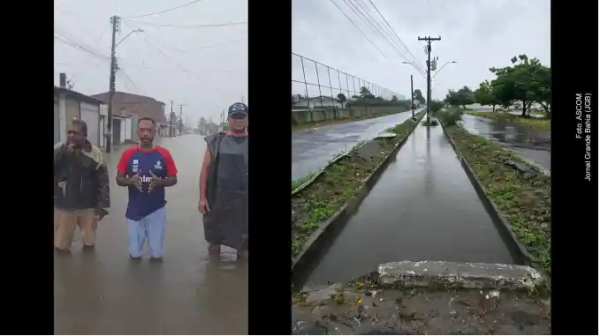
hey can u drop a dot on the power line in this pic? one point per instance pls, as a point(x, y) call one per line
point(369, 21)
point(181, 67)
point(166, 10)
point(392, 30)
point(191, 26)
point(356, 26)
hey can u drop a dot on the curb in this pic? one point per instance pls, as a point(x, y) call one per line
point(455, 275)
point(496, 214)
point(335, 223)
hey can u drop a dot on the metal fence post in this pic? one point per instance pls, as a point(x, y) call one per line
point(306, 89)
point(319, 84)
point(331, 90)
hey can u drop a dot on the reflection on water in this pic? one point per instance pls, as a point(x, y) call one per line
point(532, 144)
point(508, 133)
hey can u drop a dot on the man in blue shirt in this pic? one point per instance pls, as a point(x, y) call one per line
point(146, 170)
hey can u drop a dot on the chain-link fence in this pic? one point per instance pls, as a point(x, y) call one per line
point(320, 92)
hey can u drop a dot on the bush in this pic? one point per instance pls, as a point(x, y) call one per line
point(432, 122)
point(450, 117)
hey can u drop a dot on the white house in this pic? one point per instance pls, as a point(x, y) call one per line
point(69, 105)
point(315, 102)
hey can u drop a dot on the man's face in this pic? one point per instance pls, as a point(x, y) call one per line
point(146, 131)
point(238, 121)
point(75, 136)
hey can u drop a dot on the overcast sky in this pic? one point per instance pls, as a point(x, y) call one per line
point(478, 34)
point(205, 68)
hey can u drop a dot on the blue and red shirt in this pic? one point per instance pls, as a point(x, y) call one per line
point(139, 161)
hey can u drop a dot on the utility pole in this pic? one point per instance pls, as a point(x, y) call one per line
point(171, 115)
point(429, 39)
point(181, 118)
point(242, 99)
point(412, 97)
point(111, 91)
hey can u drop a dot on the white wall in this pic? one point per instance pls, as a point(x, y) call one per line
point(126, 130)
point(317, 102)
point(91, 115)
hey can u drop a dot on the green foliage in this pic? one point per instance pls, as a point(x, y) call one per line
point(450, 117)
point(342, 98)
point(418, 96)
point(526, 81)
point(485, 96)
point(436, 106)
point(523, 200)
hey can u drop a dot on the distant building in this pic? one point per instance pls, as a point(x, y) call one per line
point(127, 109)
point(316, 102)
point(69, 105)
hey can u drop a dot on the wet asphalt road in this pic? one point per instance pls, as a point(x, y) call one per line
point(422, 208)
point(312, 149)
point(104, 293)
point(529, 143)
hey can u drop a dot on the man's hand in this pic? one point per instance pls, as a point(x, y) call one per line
point(135, 181)
point(100, 213)
point(155, 181)
point(203, 206)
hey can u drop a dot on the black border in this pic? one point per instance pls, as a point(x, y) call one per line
point(574, 211)
point(269, 48)
point(27, 263)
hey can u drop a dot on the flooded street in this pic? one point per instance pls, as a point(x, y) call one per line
point(422, 208)
point(530, 143)
point(312, 149)
point(103, 292)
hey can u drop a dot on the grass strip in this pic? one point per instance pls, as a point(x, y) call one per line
point(535, 123)
point(297, 183)
point(339, 183)
point(525, 202)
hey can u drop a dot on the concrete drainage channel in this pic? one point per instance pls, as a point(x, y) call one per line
point(318, 241)
point(419, 284)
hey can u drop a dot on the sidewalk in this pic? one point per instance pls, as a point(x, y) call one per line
point(422, 208)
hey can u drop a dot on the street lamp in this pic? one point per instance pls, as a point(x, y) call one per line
point(451, 62)
point(130, 33)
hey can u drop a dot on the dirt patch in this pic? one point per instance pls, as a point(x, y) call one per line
point(522, 196)
point(353, 311)
point(339, 183)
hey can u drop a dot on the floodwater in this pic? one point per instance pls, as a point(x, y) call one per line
point(312, 149)
point(103, 292)
point(530, 143)
point(422, 208)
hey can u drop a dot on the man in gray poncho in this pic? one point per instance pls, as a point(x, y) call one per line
point(224, 185)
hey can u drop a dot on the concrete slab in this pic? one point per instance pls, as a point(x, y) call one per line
point(447, 274)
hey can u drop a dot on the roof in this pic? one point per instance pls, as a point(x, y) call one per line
point(127, 104)
point(77, 96)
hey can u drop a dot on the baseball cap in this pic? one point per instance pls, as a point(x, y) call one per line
point(238, 108)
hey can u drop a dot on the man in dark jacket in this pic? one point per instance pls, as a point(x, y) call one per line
point(81, 188)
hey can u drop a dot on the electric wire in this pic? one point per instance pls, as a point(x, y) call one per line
point(370, 22)
point(166, 10)
point(392, 30)
point(360, 30)
point(191, 26)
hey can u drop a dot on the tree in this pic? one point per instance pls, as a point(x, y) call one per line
point(453, 98)
point(342, 98)
point(526, 81)
point(418, 96)
point(465, 96)
point(484, 95)
point(365, 93)
point(394, 98)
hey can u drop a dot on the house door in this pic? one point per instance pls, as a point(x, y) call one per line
point(116, 130)
point(56, 123)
